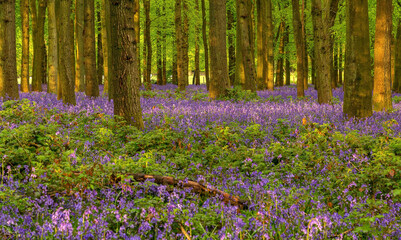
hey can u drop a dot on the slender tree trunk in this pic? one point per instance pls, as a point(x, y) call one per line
point(159, 50)
point(25, 45)
point(270, 46)
point(280, 61)
point(179, 42)
point(92, 87)
point(299, 42)
point(66, 59)
point(382, 60)
point(137, 22)
point(38, 26)
point(231, 44)
point(164, 42)
point(8, 54)
point(126, 97)
point(106, 47)
point(185, 46)
point(261, 6)
point(79, 43)
point(397, 74)
point(99, 61)
point(148, 45)
point(287, 58)
point(53, 52)
point(243, 16)
point(303, 22)
point(358, 80)
point(219, 81)
point(205, 43)
point(197, 40)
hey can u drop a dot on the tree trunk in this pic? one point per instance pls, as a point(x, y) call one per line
point(137, 22)
point(335, 65)
point(148, 43)
point(340, 65)
point(261, 7)
point(53, 52)
point(124, 59)
point(249, 81)
point(219, 81)
point(164, 42)
point(66, 59)
point(159, 50)
point(179, 43)
point(323, 54)
point(25, 46)
point(106, 46)
point(79, 43)
point(8, 54)
point(231, 44)
point(205, 43)
point(270, 46)
point(382, 60)
point(303, 22)
point(99, 61)
point(185, 43)
point(197, 40)
point(358, 80)
point(38, 33)
point(280, 61)
point(287, 58)
point(397, 75)
point(92, 87)
point(299, 42)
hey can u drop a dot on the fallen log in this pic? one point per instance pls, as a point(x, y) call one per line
point(195, 187)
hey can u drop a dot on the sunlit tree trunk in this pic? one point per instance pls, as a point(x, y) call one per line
point(270, 47)
point(205, 43)
point(25, 46)
point(79, 46)
point(106, 46)
point(92, 87)
point(66, 59)
point(53, 52)
point(124, 59)
point(382, 60)
point(38, 33)
point(358, 85)
point(219, 81)
point(197, 40)
point(261, 6)
point(8, 54)
point(299, 42)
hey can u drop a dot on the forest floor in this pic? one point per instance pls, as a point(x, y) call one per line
point(264, 166)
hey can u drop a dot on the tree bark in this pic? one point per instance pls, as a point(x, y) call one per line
point(124, 59)
point(261, 7)
point(185, 46)
point(382, 60)
point(205, 43)
point(53, 52)
point(270, 46)
point(299, 42)
point(92, 87)
point(79, 43)
point(8, 54)
point(99, 62)
point(231, 44)
point(39, 48)
point(197, 41)
point(159, 50)
point(219, 81)
point(148, 43)
point(25, 46)
point(303, 22)
point(137, 22)
point(66, 59)
point(106, 46)
point(243, 10)
point(358, 80)
point(397, 75)
point(164, 48)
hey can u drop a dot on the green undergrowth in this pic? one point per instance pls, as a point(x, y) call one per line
point(74, 152)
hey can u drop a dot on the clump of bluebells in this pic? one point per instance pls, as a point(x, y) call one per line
point(305, 171)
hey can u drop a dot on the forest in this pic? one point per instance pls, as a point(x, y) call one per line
point(200, 119)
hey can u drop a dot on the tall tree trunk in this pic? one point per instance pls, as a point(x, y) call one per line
point(137, 22)
point(323, 18)
point(231, 44)
point(25, 45)
point(185, 39)
point(382, 60)
point(299, 42)
point(8, 54)
point(124, 59)
point(66, 59)
point(92, 87)
point(38, 26)
point(303, 22)
point(261, 7)
point(99, 61)
point(219, 81)
point(79, 43)
point(159, 50)
point(179, 42)
point(397, 75)
point(197, 40)
point(358, 80)
point(106, 46)
point(280, 61)
point(148, 43)
point(205, 43)
point(53, 52)
point(270, 46)
point(164, 42)
point(243, 16)
point(287, 57)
